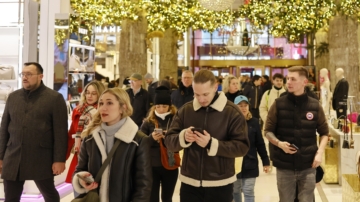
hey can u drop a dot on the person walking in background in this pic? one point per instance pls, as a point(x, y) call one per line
point(33, 136)
point(269, 96)
point(185, 92)
point(266, 83)
point(253, 92)
point(291, 126)
point(250, 166)
point(139, 98)
point(152, 84)
point(210, 146)
point(160, 117)
point(81, 117)
point(231, 87)
point(128, 176)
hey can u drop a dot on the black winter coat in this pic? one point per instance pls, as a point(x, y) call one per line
point(147, 128)
point(151, 91)
point(130, 177)
point(231, 96)
point(141, 105)
point(182, 95)
point(250, 165)
point(253, 93)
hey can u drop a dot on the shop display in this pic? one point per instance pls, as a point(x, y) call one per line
point(7, 72)
point(339, 101)
point(325, 91)
point(81, 58)
point(5, 90)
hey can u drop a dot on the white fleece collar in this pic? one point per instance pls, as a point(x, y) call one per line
point(218, 105)
point(126, 134)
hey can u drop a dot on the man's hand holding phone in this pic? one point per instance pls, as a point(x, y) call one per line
point(87, 181)
point(287, 147)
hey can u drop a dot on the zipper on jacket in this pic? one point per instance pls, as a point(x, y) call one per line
point(256, 97)
point(202, 151)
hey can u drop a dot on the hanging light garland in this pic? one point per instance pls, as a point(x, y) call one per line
point(289, 18)
point(286, 18)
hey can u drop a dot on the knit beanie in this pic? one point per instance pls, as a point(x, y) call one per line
point(162, 96)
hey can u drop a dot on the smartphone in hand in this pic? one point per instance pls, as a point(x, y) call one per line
point(294, 146)
point(200, 130)
point(158, 130)
point(88, 180)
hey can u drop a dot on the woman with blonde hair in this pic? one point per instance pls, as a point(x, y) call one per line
point(128, 176)
point(155, 126)
point(231, 87)
point(81, 117)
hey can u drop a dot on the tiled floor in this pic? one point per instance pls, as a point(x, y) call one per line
point(266, 190)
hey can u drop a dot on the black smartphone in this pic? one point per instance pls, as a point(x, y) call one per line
point(200, 130)
point(88, 180)
point(294, 146)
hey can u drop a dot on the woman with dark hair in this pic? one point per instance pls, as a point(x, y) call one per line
point(160, 117)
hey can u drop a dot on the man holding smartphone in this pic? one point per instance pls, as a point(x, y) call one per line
point(291, 127)
point(212, 131)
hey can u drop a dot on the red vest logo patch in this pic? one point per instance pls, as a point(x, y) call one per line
point(309, 116)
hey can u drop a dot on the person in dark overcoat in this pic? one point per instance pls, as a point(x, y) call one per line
point(33, 136)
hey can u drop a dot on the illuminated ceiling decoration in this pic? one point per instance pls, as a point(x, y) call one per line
point(289, 18)
point(216, 5)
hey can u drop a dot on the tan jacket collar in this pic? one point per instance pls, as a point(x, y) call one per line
point(218, 105)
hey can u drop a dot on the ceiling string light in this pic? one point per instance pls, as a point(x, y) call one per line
point(216, 5)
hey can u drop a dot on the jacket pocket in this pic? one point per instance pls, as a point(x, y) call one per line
point(46, 145)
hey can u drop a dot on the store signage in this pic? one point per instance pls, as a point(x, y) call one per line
point(107, 29)
point(83, 31)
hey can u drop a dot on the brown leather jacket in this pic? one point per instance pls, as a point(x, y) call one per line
point(213, 166)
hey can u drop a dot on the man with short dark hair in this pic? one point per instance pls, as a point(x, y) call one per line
point(139, 98)
point(33, 136)
point(212, 131)
point(253, 92)
point(291, 126)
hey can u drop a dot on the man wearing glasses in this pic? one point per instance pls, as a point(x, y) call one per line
point(33, 136)
point(185, 92)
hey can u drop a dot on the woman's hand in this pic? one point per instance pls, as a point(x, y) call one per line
point(267, 169)
point(77, 144)
point(156, 136)
point(90, 186)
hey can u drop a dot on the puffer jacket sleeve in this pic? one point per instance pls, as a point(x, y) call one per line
point(143, 172)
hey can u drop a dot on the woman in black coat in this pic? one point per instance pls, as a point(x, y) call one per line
point(128, 177)
point(250, 167)
point(160, 117)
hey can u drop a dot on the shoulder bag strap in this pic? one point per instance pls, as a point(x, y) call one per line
point(107, 161)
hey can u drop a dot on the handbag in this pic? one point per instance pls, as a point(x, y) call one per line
point(5, 90)
point(169, 160)
point(93, 195)
point(7, 72)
